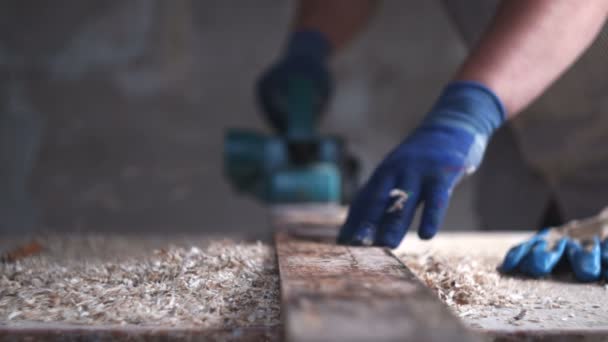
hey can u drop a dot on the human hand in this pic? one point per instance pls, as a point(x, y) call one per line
point(305, 58)
point(424, 168)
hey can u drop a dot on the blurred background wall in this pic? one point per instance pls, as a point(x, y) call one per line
point(131, 99)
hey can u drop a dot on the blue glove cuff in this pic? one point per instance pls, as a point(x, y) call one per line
point(310, 43)
point(468, 105)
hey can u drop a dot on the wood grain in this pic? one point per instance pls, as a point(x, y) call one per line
point(339, 293)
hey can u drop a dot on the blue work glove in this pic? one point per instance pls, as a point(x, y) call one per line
point(583, 244)
point(424, 168)
point(306, 57)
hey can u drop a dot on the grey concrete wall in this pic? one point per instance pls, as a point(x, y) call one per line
point(136, 95)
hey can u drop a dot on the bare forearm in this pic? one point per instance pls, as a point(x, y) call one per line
point(339, 20)
point(530, 44)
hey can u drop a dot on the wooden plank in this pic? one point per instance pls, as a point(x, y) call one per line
point(339, 293)
point(70, 332)
point(543, 335)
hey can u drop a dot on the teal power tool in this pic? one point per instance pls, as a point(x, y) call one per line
point(297, 166)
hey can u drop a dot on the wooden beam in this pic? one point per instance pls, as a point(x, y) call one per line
point(339, 293)
point(70, 332)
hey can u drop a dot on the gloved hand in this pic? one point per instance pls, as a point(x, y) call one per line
point(424, 168)
point(584, 243)
point(305, 57)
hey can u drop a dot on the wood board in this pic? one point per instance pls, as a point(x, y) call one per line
point(339, 293)
point(67, 332)
point(583, 318)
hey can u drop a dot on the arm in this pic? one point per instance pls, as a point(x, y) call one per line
point(529, 44)
point(320, 29)
point(338, 20)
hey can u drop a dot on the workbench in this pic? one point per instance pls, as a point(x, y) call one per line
point(332, 292)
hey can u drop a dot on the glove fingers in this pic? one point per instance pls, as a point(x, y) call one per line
point(586, 261)
point(516, 254)
point(398, 216)
point(366, 211)
point(436, 198)
point(540, 260)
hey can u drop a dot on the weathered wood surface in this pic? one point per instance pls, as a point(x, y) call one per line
point(322, 271)
point(543, 335)
point(338, 293)
point(67, 332)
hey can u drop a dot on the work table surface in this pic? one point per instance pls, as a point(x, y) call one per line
point(490, 301)
point(459, 267)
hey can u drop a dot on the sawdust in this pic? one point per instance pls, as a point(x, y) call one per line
point(460, 281)
point(470, 285)
point(222, 285)
point(461, 269)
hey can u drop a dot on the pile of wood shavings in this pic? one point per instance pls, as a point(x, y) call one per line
point(470, 284)
point(461, 269)
point(222, 285)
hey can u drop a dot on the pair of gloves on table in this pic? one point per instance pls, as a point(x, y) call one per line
point(425, 167)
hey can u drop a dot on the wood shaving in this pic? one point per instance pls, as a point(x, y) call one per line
point(460, 281)
point(223, 285)
point(520, 315)
point(461, 270)
point(21, 252)
point(471, 286)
